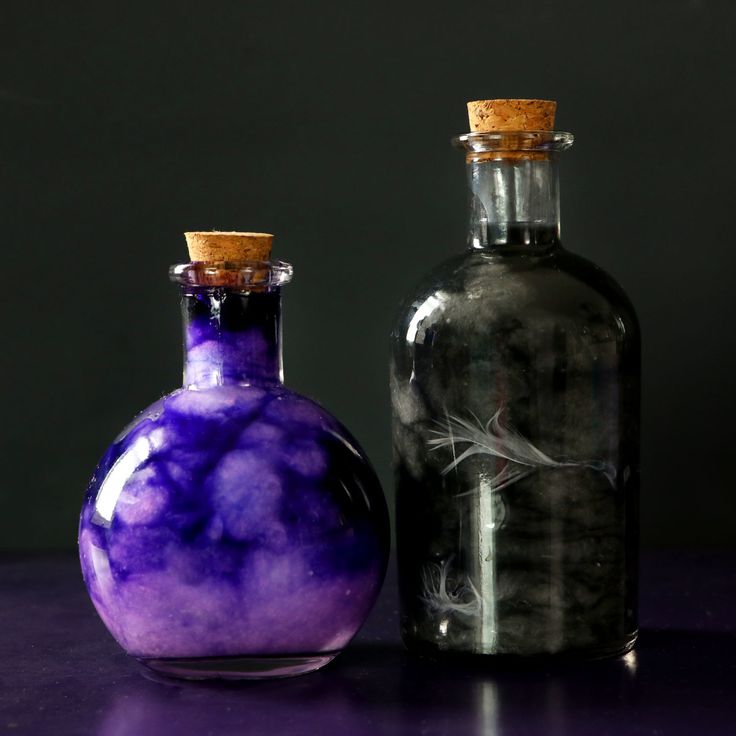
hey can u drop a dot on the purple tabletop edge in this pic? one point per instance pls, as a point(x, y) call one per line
point(61, 673)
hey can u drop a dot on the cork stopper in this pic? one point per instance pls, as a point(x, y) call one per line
point(490, 116)
point(229, 246)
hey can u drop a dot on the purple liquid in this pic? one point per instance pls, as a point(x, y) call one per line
point(233, 518)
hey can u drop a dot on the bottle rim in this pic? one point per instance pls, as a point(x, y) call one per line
point(514, 140)
point(242, 275)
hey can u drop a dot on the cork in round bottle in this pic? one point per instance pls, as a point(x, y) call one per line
point(218, 246)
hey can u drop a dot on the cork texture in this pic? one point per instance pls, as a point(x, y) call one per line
point(228, 246)
point(489, 116)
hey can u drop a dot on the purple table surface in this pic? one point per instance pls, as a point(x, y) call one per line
point(61, 673)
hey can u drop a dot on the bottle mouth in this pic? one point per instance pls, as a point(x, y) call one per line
point(519, 142)
point(240, 275)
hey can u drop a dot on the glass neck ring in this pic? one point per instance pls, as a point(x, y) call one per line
point(514, 190)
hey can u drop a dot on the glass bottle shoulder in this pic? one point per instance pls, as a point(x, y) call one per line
point(189, 416)
point(199, 427)
point(477, 291)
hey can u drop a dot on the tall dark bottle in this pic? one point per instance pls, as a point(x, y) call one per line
point(515, 391)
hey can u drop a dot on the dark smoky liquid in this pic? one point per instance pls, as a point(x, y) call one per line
point(515, 389)
point(515, 234)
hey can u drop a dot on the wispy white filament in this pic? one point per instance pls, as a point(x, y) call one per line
point(462, 599)
point(502, 441)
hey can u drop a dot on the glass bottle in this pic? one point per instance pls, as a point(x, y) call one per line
point(235, 529)
point(515, 391)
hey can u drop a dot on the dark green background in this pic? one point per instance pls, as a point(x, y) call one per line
point(329, 124)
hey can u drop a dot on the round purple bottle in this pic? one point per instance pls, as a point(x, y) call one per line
point(234, 529)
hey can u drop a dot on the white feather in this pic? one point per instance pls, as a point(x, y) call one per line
point(502, 441)
point(463, 599)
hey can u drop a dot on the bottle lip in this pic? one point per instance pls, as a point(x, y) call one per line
point(513, 140)
point(241, 275)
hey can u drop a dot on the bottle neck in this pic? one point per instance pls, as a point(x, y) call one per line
point(514, 202)
point(232, 337)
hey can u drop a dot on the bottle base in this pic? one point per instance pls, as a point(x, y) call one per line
point(238, 668)
point(605, 651)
